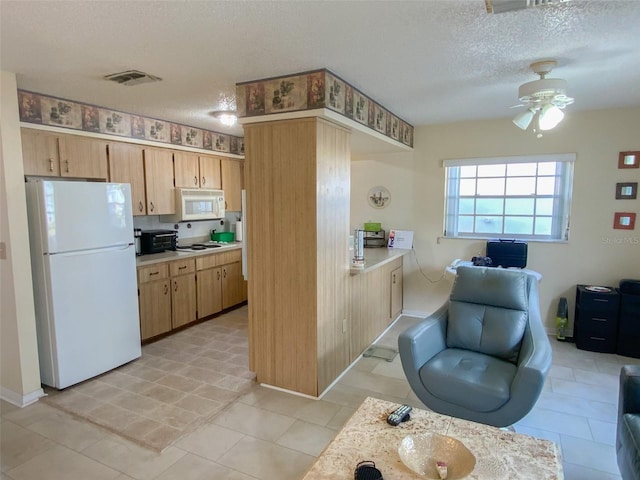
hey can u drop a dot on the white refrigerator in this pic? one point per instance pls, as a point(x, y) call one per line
point(84, 278)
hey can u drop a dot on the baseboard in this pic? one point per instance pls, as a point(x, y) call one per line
point(20, 400)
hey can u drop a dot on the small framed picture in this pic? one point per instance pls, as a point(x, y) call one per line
point(624, 221)
point(629, 160)
point(627, 191)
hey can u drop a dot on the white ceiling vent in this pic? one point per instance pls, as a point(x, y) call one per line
point(501, 6)
point(132, 77)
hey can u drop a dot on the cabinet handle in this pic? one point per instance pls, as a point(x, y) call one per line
point(602, 339)
point(140, 206)
point(601, 300)
point(195, 180)
point(599, 319)
point(151, 205)
point(66, 164)
point(175, 286)
point(204, 180)
point(224, 273)
point(166, 288)
point(394, 278)
point(51, 164)
point(182, 267)
point(218, 274)
point(154, 273)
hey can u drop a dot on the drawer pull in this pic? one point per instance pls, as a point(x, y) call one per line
point(602, 339)
point(182, 267)
point(601, 300)
point(600, 319)
point(154, 273)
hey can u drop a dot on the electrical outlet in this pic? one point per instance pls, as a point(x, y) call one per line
point(344, 326)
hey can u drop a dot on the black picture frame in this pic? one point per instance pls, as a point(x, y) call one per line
point(626, 190)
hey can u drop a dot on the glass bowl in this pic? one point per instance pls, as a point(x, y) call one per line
point(421, 452)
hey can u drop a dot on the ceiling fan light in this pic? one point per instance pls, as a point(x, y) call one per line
point(550, 117)
point(523, 119)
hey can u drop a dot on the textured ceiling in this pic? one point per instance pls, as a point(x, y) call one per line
point(427, 61)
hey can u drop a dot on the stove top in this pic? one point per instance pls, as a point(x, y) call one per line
point(199, 246)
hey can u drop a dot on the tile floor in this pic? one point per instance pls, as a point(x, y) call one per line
point(267, 434)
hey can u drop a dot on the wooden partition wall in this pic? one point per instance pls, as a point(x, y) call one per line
point(297, 178)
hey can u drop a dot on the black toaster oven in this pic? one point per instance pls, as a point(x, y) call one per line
point(157, 241)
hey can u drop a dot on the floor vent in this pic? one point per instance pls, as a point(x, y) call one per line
point(132, 77)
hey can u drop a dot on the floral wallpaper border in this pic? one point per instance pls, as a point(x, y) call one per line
point(319, 89)
point(60, 112)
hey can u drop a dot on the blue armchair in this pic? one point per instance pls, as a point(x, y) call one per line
point(484, 355)
point(628, 432)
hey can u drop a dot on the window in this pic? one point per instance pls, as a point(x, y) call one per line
point(527, 197)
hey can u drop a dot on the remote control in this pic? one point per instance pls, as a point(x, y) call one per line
point(399, 415)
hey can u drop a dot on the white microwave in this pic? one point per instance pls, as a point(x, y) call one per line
point(196, 204)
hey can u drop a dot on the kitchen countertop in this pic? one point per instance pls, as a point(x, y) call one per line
point(376, 257)
point(144, 260)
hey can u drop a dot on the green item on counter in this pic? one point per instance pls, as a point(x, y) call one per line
point(372, 227)
point(223, 236)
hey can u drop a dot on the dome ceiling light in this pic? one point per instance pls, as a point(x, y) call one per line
point(544, 98)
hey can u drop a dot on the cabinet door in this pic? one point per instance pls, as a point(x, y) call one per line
point(155, 308)
point(158, 178)
point(232, 283)
point(209, 283)
point(40, 153)
point(82, 157)
point(186, 170)
point(183, 299)
point(231, 184)
point(210, 172)
point(396, 293)
point(126, 166)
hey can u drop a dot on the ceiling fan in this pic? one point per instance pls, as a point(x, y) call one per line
point(544, 98)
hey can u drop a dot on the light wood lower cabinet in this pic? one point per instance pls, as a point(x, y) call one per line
point(376, 300)
point(220, 282)
point(175, 293)
point(183, 292)
point(209, 291)
point(154, 300)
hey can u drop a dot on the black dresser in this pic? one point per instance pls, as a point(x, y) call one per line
point(596, 318)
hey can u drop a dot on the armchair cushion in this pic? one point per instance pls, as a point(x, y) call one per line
point(469, 379)
point(491, 319)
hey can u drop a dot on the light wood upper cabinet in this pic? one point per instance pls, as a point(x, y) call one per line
point(231, 184)
point(187, 170)
point(210, 172)
point(58, 155)
point(40, 153)
point(158, 167)
point(126, 165)
point(82, 157)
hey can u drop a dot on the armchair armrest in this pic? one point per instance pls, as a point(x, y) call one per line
point(420, 343)
point(629, 398)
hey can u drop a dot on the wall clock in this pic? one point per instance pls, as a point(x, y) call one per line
point(379, 197)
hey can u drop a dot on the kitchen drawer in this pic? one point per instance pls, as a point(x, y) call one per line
point(181, 267)
point(207, 261)
point(153, 272)
point(230, 257)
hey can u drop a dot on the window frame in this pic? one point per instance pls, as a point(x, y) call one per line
point(561, 196)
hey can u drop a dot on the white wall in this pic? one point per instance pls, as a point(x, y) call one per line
point(595, 253)
point(19, 370)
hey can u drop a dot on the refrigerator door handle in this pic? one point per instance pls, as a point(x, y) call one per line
point(91, 251)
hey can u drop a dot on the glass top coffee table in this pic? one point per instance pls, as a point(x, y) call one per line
point(500, 454)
